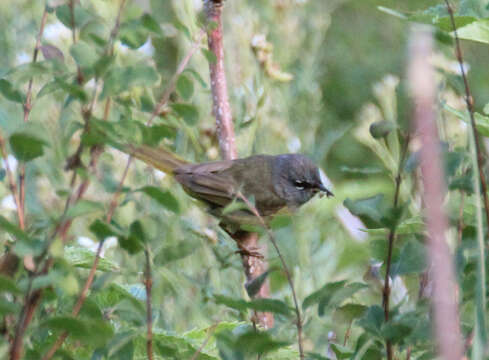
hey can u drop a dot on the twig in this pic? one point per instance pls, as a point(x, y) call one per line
point(173, 81)
point(469, 100)
point(444, 303)
point(209, 335)
point(253, 266)
point(271, 236)
point(148, 283)
point(391, 237)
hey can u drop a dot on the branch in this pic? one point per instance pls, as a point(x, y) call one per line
point(469, 100)
point(391, 237)
point(445, 308)
point(209, 335)
point(148, 283)
point(271, 236)
point(220, 99)
point(247, 242)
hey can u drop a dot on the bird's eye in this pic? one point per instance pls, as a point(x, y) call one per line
point(299, 185)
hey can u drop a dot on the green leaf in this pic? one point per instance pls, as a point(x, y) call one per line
point(210, 56)
point(84, 55)
point(10, 93)
point(164, 198)
point(264, 305)
point(153, 135)
point(102, 230)
point(176, 252)
point(412, 259)
point(280, 221)
point(84, 207)
point(8, 285)
point(151, 24)
point(93, 332)
point(48, 88)
point(26, 147)
point(395, 332)
point(185, 87)
point(3, 173)
point(8, 307)
point(133, 34)
point(134, 243)
point(80, 15)
point(372, 320)
point(372, 208)
point(250, 342)
point(82, 257)
point(123, 79)
point(341, 352)
point(12, 229)
point(331, 295)
point(349, 312)
point(475, 31)
point(188, 112)
point(72, 88)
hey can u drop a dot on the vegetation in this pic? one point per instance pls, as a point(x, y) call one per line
point(107, 258)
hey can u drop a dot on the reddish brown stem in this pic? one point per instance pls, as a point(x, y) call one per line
point(220, 99)
point(444, 303)
point(469, 100)
point(253, 266)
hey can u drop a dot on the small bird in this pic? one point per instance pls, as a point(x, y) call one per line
point(273, 182)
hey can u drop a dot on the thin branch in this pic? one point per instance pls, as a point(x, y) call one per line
point(469, 100)
point(208, 337)
point(444, 298)
point(271, 236)
point(391, 237)
point(148, 283)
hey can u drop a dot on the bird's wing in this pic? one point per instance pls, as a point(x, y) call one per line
point(208, 181)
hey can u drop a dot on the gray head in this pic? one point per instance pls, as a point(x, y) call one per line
point(297, 179)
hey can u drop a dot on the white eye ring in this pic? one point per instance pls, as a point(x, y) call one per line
point(299, 187)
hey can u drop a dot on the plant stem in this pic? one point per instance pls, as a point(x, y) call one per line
point(148, 283)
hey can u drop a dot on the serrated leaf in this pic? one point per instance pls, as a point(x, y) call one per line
point(26, 147)
point(164, 198)
point(188, 112)
point(11, 93)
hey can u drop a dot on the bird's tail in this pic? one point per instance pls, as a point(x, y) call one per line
point(159, 158)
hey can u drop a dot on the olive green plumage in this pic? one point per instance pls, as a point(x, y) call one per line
point(273, 182)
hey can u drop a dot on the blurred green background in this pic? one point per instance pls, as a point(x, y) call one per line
point(300, 73)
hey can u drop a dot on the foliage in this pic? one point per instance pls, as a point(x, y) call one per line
point(308, 76)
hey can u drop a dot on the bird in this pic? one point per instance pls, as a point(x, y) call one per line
point(272, 182)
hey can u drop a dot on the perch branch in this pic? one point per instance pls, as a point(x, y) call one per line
point(253, 266)
point(148, 283)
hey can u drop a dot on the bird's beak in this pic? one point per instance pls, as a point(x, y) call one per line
point(325, 190)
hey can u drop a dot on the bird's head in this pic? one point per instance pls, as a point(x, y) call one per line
point(297, 179)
